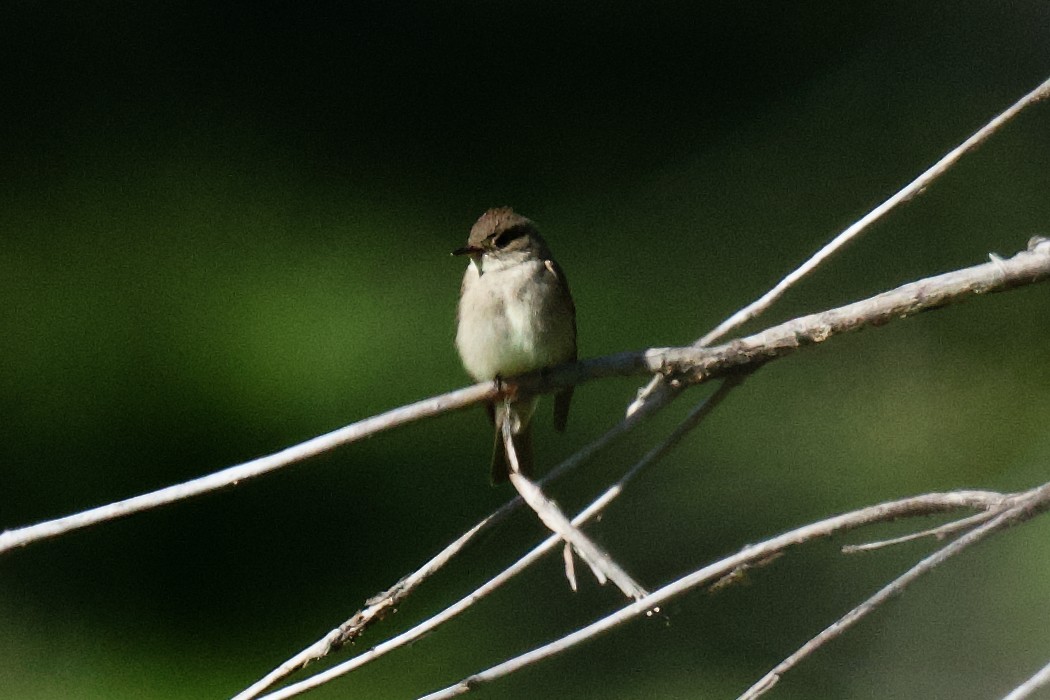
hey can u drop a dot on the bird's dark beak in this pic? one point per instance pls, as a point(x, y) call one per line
point(467, 250)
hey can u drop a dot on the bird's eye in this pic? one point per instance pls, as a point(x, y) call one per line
point(503, 239)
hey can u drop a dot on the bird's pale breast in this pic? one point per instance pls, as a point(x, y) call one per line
point(513, 320)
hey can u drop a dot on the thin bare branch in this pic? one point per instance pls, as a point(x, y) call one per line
point(915, 187)
point(232, 476)
point(1020, 509)
point(909, 507)
point(1002, 120)
point(1040, 679)
point(687, 365)
point(604, 566)
point(909, 191)
point(383, 603)
point(940, 532)
point(325, 646)
point(698, 364)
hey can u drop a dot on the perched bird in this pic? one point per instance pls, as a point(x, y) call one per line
point(515, 315)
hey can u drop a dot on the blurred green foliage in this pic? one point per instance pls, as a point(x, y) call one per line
point(225, 229)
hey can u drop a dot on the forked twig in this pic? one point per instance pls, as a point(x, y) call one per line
point(940, 532)
point(1020, 508)
point(909, 191)
point(909, 507)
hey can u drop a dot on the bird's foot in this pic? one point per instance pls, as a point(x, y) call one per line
point(508, 390)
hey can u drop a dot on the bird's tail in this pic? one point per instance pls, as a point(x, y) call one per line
point(522, 447)
point(519, 413)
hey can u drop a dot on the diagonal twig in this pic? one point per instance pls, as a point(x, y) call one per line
point(232, 476)
point(324, 646)
point(1037, 681)
point(926, 504)
point(1020, 509)
point(940, 532)
point(603, 565)
point(696, 364)
point(909, 191)
point(381, 604)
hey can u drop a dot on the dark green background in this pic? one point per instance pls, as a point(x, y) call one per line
point(225, 229)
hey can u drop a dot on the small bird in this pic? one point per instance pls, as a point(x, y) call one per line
point(515, 315)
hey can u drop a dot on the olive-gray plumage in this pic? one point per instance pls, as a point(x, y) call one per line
point(516, 315)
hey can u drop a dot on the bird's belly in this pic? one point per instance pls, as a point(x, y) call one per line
point(508, 334)
point(509, 344)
